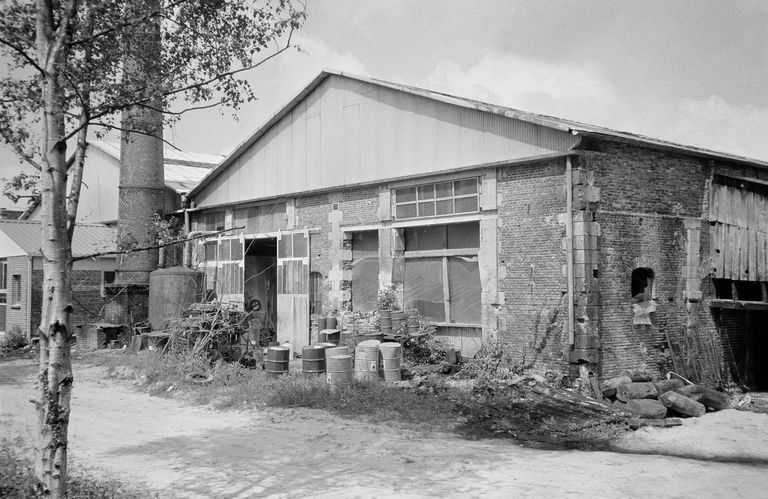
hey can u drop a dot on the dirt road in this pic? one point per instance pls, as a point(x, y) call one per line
point(198, 452)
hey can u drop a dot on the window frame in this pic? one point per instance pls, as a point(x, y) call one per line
point(104, 282)
point(431, 197)
point(15, 290)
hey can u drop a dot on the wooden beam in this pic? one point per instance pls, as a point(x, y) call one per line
point(738, 305)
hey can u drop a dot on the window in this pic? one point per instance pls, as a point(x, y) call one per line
point(3, 275)
point(365, 270)
point(107, 278)
point(643, 296)
point(437, 199)
point(442, 275)
point(16, 289)
point(210, 221)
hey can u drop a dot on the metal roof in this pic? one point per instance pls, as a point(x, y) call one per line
point(183, 170)
point(87, 239)
point(570, 126)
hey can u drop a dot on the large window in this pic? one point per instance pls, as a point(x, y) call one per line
point(365, 270)
point(437, 199)
point(210, 221)
point(442, 276)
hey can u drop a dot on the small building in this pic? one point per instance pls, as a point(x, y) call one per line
point(577, 246)
point(21, 273)
point(101, 178)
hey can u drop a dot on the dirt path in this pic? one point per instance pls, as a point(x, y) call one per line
point(198, 452)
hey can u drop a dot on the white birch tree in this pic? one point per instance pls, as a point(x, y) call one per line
point(65, 79)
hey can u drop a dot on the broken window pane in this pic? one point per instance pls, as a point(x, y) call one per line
point(423, 287)
point(365, 270)
point(464, 288)
point(464, 235)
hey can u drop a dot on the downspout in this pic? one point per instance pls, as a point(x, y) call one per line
point(29, 297)
point(569, 245)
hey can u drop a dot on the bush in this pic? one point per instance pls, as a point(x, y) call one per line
point(13, 339)
point(18, 481)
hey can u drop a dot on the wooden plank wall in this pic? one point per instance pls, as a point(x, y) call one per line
point(739, 234)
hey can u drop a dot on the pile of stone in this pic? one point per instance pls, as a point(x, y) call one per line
point(639, 393)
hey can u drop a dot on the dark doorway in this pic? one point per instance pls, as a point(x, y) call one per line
point(260, 286)
point(756, 350)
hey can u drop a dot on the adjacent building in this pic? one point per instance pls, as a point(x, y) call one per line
point(21, 273)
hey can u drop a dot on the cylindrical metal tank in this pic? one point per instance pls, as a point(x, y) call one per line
point(171, 291)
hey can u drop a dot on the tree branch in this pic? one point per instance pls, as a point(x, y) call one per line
point(154, 246)
point(17, 148)
point(131, 130)
point(19, 50)
point(125, 24)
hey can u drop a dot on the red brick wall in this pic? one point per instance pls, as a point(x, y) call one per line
point(531, 260)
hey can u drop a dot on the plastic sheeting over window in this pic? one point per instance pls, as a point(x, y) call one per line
point(365, 270)
point(423, 287)
point(464, 288)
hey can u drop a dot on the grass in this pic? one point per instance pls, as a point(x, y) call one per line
point(17, 479)
point(233, 386)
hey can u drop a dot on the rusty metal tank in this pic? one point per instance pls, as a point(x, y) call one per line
point(171, 291)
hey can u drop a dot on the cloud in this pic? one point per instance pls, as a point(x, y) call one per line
point(316, 55)
point(715, 124)
point(569, 89)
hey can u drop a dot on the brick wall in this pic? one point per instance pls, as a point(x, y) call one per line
point(327, 246)
point(646, 196)
point(88, 304)
point(531, 260)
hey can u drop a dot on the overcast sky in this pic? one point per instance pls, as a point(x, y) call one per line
point(694, 72)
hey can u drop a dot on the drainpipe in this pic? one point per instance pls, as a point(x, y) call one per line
point(569, 245)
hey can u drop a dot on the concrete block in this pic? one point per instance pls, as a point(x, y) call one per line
point(577, 355)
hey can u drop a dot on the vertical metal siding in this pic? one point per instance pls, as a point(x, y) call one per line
point(347, 132)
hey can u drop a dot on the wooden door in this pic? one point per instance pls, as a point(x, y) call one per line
point(293, 288)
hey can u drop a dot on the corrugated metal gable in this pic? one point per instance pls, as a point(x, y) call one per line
point(355, 132)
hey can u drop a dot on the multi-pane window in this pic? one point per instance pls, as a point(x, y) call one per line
point(437, 199)
point(442, 276)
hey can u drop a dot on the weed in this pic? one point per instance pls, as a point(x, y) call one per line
point(17, 479)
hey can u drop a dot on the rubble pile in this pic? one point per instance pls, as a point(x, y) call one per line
point(643, 395)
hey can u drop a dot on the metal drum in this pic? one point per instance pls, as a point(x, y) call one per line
point(367, 360)
point(339, 370)
point(333, 351)
point(391, 353)
point(277, 361)
point(313, 360)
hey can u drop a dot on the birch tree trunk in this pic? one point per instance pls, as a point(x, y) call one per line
point(55, 370)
